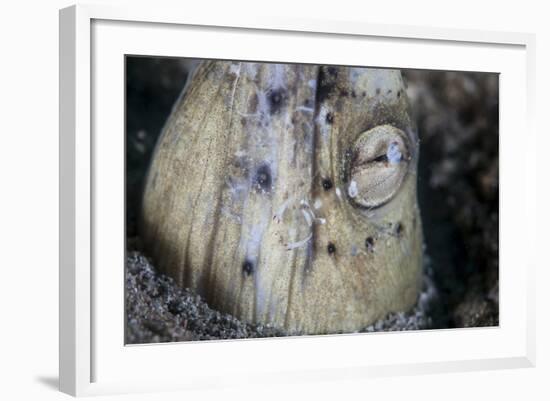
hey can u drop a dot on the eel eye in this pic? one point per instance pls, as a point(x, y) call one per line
point(379, 163)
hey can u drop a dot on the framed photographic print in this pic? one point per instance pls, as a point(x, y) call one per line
point(293, 199)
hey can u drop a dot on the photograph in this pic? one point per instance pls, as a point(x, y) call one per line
point(271, 199)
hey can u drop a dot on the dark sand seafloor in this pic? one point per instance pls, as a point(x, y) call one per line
point(457, 120)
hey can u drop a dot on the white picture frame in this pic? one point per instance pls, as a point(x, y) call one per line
point(93, 358)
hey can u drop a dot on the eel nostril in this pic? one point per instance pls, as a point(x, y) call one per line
point(327, 183)
point(248, 267)
point(263, 178)
point(369, 243)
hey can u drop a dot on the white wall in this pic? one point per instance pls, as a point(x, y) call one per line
point(29, 186)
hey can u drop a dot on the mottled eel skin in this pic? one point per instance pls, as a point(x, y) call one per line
point(286, 194)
